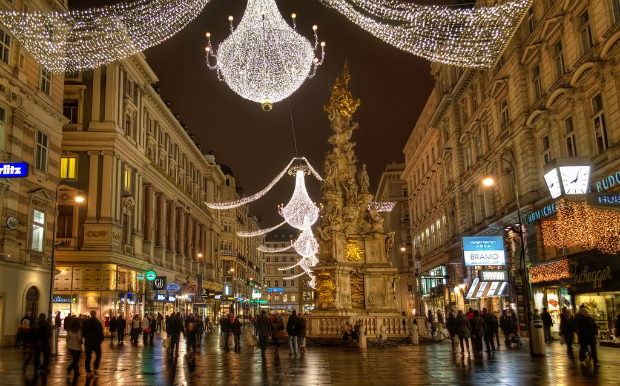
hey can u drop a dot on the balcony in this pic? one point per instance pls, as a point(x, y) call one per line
point(69, 244)
point(228, 253)
point(72, 127)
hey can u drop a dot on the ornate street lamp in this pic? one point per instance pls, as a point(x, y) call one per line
point(568, 177)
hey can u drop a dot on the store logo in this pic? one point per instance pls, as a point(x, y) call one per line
point(173, 287)
point(16, 169)
point(586, 276)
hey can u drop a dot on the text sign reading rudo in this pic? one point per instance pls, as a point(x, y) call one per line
point(493, 275)
point(14, 169)
point(484, 250)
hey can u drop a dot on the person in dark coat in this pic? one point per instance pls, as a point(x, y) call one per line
point(451, 326)
point(235, 328)
point(545, 316)
point(43, 331)
point(263, 326)
point(190, 333)
point(301, 333)
point(174, 328)
point(586, 331)
point(153, 327)
point(430, 320)
point(488, 338)
point(21, 335)
point(29, 340)
point(92, 331)
point(478, 330)
point(291, 329)
point(200, 329)
point(508, 324)
point(112, 329)
point(277, 331)
point(121, 326)
point(225, 327)
point(57, 320)
point(463, 330)
point(567, 331)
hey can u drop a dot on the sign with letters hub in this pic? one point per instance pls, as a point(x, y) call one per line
point(493, 275)
point(14, 170)
point(484, 250)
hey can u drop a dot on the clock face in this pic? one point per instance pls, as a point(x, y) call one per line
point(553, 183)
point(575, 179)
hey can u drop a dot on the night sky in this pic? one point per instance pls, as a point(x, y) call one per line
point(393, 87)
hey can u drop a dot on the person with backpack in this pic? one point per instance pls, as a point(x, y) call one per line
point(92, 330)
point(291, 328)
point(200, 328)
point(235, 328)
point(301, 334)
point(190, 333)
point(74, 344)
point(174, 328)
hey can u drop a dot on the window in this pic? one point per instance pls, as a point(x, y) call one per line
point(585, 31)
point(503, 113)
point(478, 147)
point(41, 155)
point(283, 283)
point(531, 22)
point(70, 110)
point(468, 157)
point(292, 283)
point(546, 149)
point(569, 131)
point(269, 283)
point(558, 57)
point(5, 46)
point(127, 179)
point(64, 227)
point(600, 127)
point(285, 297)
point(615, 5)
point(277, 283)
point(46, 81)
point(67, 167)
point(268, 271)
point(73, 75)
point(275, 259)
point(410, 287)
point(268, 259)
point(293, 298)
point(306, 295)
point(38, 231)
point(536, 84)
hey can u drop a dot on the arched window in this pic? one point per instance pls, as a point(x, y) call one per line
point(32, 301)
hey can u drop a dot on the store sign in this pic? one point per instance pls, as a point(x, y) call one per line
point(61, 299)
point(14, 170)
point(173, 287)
point(257, 295)
point(164, 298)
point(191, 290)
point(590, 276)
point(496, 275)
point(608, 182)
point(540, 213)
point(272, 290)
point(604, 200)
point(484, 250)
point(151, 275)
point(141, 277)
point(159, 284)
point(217, 296)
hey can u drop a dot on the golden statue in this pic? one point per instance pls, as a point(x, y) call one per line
point(325, 289)
point(342, 100)
point(352, 251)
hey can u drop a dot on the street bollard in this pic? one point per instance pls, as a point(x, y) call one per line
point(538, 347)
point(362, 337)
point(415, 338)
point(54, 341)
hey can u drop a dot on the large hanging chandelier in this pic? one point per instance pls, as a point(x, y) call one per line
point(264, 59)
point(300, 212)
point(81, 40)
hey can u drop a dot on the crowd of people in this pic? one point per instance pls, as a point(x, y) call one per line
point(266, 326)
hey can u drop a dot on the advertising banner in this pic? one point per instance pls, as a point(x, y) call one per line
point(484, 250)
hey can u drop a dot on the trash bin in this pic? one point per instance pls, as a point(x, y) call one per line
point(538, 347)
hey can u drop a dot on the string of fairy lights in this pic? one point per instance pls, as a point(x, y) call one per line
point(579, 224)
point(81, 40)
point(264, 59)
point(556, 270)
point(468, 37)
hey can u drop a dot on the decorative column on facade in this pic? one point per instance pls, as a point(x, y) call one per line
point(202, 243)
point(117, 188)
point(161, 220)
point(93, 186)
point(172, 226)
point(108, 176)
point(189, 236)
point(180, 237)
point(148, 213)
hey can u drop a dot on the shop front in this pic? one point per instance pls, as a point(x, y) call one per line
point(550, 284)
point(434, 290)
point(489, 290)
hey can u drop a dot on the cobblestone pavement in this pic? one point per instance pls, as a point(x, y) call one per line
point(428, 364)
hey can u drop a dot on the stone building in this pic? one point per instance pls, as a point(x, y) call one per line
point(31, 121)
point(553, 94)
point(394, 189)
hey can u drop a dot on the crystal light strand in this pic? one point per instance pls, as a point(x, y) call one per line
point(266, 249)
point(300, 212)
point(260, 231)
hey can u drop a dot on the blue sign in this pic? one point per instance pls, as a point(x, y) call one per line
point(14, 169)
point(484, 250)
point(540, 213)
point(173, 287)
point(608, 182)
point(272, 290)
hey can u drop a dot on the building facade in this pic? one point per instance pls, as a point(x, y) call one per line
point(31, 121)
point(553, 94)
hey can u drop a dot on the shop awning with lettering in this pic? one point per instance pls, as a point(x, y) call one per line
point(486, 289)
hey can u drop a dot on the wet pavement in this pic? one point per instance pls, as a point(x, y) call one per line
point(428, 364)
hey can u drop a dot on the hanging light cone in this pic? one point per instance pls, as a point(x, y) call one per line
point(300, 212)
point(306, 245)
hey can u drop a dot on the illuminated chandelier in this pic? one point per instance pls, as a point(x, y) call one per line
point(264, 59)
point(300, 212)
point(81, 40)
point(468, 37)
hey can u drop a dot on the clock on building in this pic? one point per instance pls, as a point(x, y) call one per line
point(568, 176)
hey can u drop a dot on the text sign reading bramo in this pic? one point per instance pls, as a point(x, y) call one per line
point(484, 250)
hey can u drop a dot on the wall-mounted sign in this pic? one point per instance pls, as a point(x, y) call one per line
point(484, 250)
point(191, 290)
point(159, 284)
point(493, 275)
point(256, 295)
point(218, 296)
point(165, 298)
point(540, 213)
point(173, 287)
point(12, 223)
point(61, 299)
point(151, 275)
point(275, 290)
point(14, 169)
point(608, 182)
point(604, 200)
point(141, 276)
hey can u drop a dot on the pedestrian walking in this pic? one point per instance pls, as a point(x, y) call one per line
point(92, 330)
point(200, 329)
point(235, 328)
point(301, 334)
point(478, 330)
point(617, 326)
point(121, 327)
point(508, 324)
point(225, 328)
point(430, 322)
point(66, 323)
point(440, 322)
point(277, 332)
point(463, 330)
point(43, 331)
point(74, 344)
point(190, 334)
point(152, 328)
point(494, 328)
point(112, 329)
point(451, 326)
point(586, 331)
point(29, 340)
point(567, 331)
point(263, 326)
point(58, 320)
point(291, 329)
point(145, 328)
point(160, 320)
point(489, 335)
point(545, 316)
point(135, 329)
point(174, 329)
point(21, 335)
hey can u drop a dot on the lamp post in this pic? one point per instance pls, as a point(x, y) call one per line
point(489, 181)
point(79, 199)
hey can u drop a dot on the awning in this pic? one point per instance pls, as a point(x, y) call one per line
point(486, 289)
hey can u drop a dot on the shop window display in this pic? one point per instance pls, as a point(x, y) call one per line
point(603, 308)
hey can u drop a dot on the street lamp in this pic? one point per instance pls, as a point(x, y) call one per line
point(79, 199)
point(488, 182)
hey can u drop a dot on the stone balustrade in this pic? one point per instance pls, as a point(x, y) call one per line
point(332, 326)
